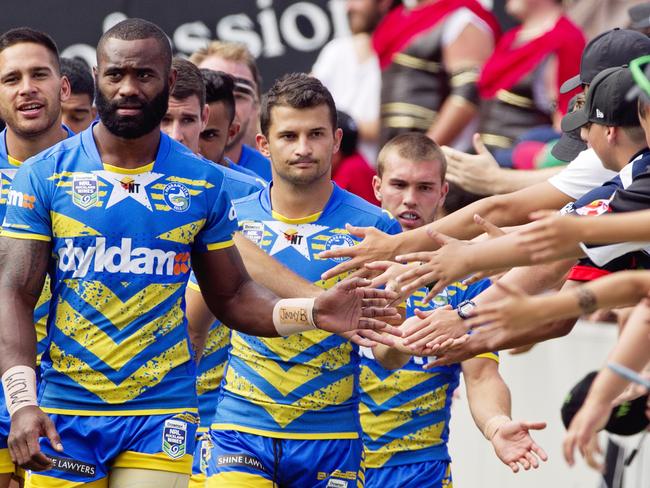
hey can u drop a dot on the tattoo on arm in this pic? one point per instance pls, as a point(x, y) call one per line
point(586, 300)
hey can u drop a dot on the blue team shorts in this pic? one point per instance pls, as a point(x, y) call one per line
point(202, 453)
point(242, 460)
point(428, 474)
point(93, 445)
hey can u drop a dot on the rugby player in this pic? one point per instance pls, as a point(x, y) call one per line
point(288, 410)
point(31, 92)
point(236, 60)
point(405, 411)
point(123, 208)
point(78, 110)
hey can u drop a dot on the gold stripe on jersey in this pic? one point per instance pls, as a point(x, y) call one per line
point(383, 390)
point(177, 179)
point(336, 393)
point(184, 234)
point(116, 355)
point(147, 376)
point(209, 380)
point(428, 436)
point(64, 226)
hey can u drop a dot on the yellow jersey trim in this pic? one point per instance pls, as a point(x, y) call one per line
point(489, 355)
point(119, 413)
point(24, 236)
point(302, 220)
point(287, 435)
point(6, 464)
point(239, 479)
point(129, 171)
point(220, 245)
point(159, 462)
point(202, 430)
point(13, 161)
point(197, 481)
point(193, 286)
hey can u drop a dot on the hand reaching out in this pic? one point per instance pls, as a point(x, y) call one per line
point(515, 447)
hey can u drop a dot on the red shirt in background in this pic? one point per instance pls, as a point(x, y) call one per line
point(354, 174)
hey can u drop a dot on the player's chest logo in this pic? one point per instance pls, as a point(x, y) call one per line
point(129, 187)
point(294, 236)
point(85, 190)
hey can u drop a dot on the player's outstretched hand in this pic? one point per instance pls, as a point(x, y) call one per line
point(583, 430)
point(375, 246)
point(551, 237)
point(439, 268)
point(515, 447)
point(27, 425)
point(513, 312)
point(343, 308)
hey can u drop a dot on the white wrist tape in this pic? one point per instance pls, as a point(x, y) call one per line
point(492, 426)
point(19, 385)
point(294, 315)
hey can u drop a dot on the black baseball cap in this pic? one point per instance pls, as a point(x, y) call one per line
point(570, 143)
point(639, 16)
point(606, 102)
point(615, 47)
point(628, 418)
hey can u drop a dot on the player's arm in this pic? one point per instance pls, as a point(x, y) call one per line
point(236, 300)
point(633, 352)
point(272, 274)
point(501, 210)
point(199, 320)
point(489, 401)
point(23, 266)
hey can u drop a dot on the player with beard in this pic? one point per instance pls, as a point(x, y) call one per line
point(114, 215)
point(31, 92)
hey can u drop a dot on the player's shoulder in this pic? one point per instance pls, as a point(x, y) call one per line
point(241, 177)
point(355, 204)
point(63, 152)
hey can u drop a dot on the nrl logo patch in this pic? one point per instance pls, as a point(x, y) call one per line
point(85, 190)
point(253, 231)
point(174, 438)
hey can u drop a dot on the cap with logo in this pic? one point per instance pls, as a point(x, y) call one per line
point(615, 47)
point(570, 143)
point(628, 418)
point(606, 102)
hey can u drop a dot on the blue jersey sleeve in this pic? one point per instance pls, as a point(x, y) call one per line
point(221, 223)
point(28, 206)
point(388, 223)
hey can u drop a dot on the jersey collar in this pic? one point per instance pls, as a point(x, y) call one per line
point(330, 206)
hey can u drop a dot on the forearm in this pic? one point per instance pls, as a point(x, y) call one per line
point(17, 331)
point(511, 180)
point(631, 351)
point(453, 117)
point(199, 320)
point(487, 394)
point(271, 274)
point(391, 357)
point(621, 227)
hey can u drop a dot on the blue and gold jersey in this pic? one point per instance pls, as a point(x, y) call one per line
point(215, 353)
point(303, 386)
point(121, 243)
point(8, 168)
point(405, 412)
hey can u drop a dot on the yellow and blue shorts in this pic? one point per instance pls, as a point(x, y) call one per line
point(202, 453)
point(242, 460)
point(6, 465)
point(428, 474)
point(92, 446)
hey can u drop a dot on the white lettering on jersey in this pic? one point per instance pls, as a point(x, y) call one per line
point(123, 259)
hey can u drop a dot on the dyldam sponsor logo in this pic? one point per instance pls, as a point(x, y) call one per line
point(117, 259)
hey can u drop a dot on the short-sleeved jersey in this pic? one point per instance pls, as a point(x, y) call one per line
point(215, 352)
point(599, 201)
point(121, 242)
point(8, 168)
point(253, 160)
point(405, 412)
point(245, 171)
point(303, 386)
